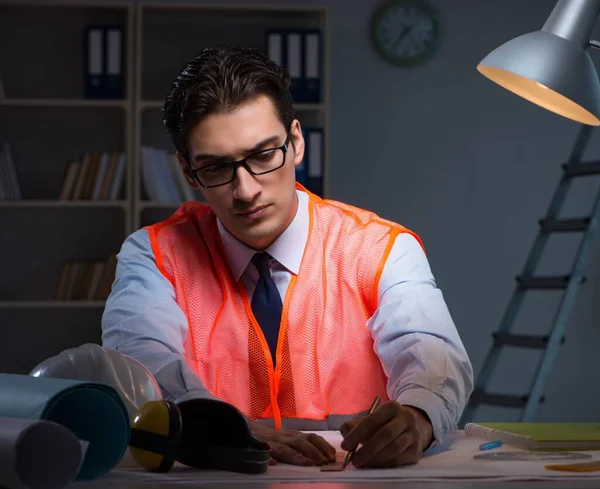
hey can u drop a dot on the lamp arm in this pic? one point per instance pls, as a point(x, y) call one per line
point(594, 44)
point(573, 20)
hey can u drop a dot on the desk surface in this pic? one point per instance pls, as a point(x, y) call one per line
point(399, 484)
point(449, 467)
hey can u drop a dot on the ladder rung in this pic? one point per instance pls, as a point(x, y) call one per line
point(564, 225)
point(479, 397)
point(552, 282)
point(582, 169)
point(505, 400)
point(523, 341)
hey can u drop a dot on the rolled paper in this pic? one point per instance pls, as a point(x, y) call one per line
point(94, 412)
point(37, 454)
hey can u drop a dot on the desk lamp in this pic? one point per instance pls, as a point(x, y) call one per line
point(551, 67)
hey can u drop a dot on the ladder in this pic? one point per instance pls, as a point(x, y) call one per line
point(550, 344)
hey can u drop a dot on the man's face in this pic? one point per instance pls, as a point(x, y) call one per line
point(255, 209)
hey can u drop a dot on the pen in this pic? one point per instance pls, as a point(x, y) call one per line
point(350, 454)
point(489, 445)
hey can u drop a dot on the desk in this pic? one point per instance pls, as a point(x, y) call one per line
point(450, 467)
point(399, 484)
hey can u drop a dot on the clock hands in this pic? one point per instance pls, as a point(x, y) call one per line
point(405, 32)
point(401, 37)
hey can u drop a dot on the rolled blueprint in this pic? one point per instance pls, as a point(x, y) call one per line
point(94, 412)
point(37, 454)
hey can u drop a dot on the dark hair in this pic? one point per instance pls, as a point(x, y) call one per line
point(220, 80)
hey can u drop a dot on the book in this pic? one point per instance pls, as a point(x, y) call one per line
point(540, 436)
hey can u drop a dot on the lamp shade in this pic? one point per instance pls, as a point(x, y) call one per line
point(551, 67)
point(549, 71)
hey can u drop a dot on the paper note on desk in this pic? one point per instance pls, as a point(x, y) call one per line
point(454, 461)
point(576, 467)
point(540, 436)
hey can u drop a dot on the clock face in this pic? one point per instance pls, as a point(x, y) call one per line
point(405, 32)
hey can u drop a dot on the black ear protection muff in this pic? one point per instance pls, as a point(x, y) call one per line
point(155, 435)
point(199, 433)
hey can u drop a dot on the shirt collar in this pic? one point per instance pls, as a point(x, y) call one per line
point(288, 249)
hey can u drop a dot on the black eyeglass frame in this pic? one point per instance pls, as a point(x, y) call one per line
point(236, 164)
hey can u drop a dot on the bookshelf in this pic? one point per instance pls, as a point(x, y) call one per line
point(49, 123)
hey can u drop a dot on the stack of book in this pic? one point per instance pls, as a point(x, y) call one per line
point(86, 280)
point(96, 176)
point(162, 177)
point(10, 188)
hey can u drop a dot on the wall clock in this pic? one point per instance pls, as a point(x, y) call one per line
point(405, 32)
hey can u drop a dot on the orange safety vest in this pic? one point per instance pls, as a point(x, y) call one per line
point(326, 363)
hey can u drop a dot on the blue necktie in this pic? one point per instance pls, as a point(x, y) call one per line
point(266, 302)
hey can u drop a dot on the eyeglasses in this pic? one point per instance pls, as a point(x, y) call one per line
point(259, 163)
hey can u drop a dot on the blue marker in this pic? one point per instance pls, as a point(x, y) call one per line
point(489, 445)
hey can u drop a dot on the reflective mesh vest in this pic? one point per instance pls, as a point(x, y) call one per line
point(326, 364)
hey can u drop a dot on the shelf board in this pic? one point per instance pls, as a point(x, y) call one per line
point(64, 203)
point(159, 205)
point(65, 102)
point(66, 4)
point(230, 6)
point(310, 107)
point(159, 104)
point(51, 304)
point(151, 104)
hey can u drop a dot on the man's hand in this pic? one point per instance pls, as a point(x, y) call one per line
point(294, 447)
point(393, 435)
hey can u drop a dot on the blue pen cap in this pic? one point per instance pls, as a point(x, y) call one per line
point(490, 444)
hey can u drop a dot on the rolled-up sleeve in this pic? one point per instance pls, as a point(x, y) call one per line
point(143, 320)
point(417, 341)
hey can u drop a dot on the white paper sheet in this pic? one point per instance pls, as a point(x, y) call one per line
point(451, 462)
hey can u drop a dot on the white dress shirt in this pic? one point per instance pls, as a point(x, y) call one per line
point(413, 332)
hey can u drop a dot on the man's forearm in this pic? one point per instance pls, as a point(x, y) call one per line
point(441, 395)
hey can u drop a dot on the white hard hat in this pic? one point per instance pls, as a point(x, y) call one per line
point(93, 363)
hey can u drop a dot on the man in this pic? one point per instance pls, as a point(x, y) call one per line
point(297, 310)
